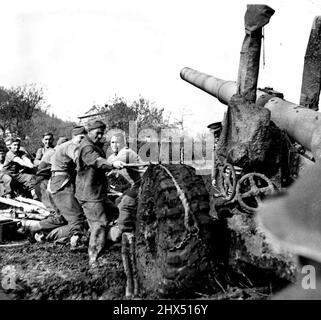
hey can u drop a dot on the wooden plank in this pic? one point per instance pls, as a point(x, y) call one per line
point(4, 219)
point(24, 206)
point(31, 201)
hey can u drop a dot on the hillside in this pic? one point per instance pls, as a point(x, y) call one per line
point(40, 123)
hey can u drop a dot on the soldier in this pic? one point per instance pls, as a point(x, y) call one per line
point(43, 175)
point(4, 178)
point(91, 187)
point(128, 203)
point(293, 221)
point(68, 220)
point(8, 142)
point(19, 167)
point(47, 141)
point(62, 183)
point(2, 158)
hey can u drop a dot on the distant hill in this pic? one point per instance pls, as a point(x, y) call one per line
point(40, 123)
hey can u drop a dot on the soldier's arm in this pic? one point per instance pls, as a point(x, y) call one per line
point(27, 162)
point(38, 156)
point(93, 158)
point(23, 161)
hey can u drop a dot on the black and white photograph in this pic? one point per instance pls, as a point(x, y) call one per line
point(164, 151)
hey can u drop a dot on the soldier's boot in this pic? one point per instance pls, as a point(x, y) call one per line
point(114, 234)
point(29, 225)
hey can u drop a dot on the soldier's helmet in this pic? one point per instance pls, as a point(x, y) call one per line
point(293, 219)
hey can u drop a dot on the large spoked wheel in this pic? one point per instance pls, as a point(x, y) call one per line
point(226, 181)
point(251, 189)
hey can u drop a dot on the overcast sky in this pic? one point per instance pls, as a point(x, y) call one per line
point(84, 52)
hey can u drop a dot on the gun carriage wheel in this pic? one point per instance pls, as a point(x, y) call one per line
point(251, 189)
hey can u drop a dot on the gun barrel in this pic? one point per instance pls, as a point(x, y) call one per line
point(302, 124)
point(220, 89)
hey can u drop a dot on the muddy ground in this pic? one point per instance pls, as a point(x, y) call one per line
point(52, 271)
point(46, 271)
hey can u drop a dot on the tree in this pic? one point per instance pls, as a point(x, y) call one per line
point(117, 114)
point(17, 105)
point(23, 111)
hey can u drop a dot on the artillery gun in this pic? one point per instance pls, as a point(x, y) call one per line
point(183, 248)
point(268, 139)
point(296, 127)
point(264, 143)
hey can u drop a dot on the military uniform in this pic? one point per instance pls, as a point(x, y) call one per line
point(91, 192)
point(6, 183)
point(42, 177)
point(17, 172)
point(62, 189)
point(128, 203)
point(40, 153)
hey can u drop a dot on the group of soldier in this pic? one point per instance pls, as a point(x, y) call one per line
point(71, 180)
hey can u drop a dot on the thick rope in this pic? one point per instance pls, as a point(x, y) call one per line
point(184, 201)
point(263, 47)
